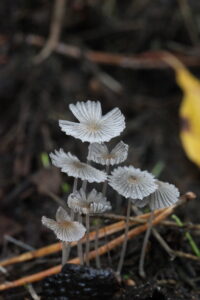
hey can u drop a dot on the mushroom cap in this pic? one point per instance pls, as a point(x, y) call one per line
point(132, 183)
point(90, 203)
point(165, 195)
point(71, 165)
point(92, 126)
point(64, 228)
point(99, 153)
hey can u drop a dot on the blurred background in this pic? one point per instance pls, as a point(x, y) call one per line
point(57, 52)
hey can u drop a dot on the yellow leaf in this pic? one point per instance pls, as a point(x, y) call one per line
point(189, 109)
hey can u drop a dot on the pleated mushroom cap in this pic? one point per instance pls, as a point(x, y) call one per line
point(92, 126)
point(90, 203)
point(99, 153)
point(64, 228)
point(132, 183)
point(165, 195)
point(71, 165)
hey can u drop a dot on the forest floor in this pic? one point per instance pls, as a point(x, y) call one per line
point(35, 92)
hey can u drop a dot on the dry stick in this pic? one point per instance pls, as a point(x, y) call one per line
point(102, 250)
point(145, 60)
point(185, 225)
point(79, 245)
point(144, 246)
point(124, 246)
point(142, 221)
point(162, 242)
point(57, 199)
point(18, 243)
point(139, 219)
point(55, 30)
point(47, 250)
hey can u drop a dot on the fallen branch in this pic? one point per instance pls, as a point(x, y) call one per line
point(146, 60)
point(107, 230)
point(182, 200)
point(185, 225)
point(55, 30)
point(101, 250)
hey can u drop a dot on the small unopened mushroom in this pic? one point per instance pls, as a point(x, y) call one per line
point(88, 203)
point(100, 154)
point(91, 203)
point(65, 230)
point(131, 183)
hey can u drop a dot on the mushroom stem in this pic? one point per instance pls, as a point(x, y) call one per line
point(105, 184)
point(144, 246)
point(87, 221)
point(124, 246)
point(74, 190)
point(75, 185)
point(96, 246)
point(104, 189)
point(79, 244)
point(65, 252)
point(84, 184)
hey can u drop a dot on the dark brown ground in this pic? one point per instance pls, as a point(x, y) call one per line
point(34, 97)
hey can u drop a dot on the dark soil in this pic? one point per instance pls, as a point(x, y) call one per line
point(34, 96)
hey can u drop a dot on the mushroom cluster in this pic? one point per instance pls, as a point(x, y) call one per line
point(140, 188)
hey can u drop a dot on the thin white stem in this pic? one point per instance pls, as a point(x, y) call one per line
point(104, 190)
point(144, 246)
point(96, 246)
point(87, 250)
point(84, 185)
point(75, 185)
point(65, 252)
point(80, 248)
point(74, 190)
point(72, 215)
point(105, 184)
point(124, 246)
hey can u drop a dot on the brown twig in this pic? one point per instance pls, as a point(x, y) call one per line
point(102, 250)
point(139, 219)
point(146, 60)
point(55, 30)
point(185, 225)
point(107, 230)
